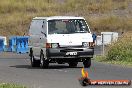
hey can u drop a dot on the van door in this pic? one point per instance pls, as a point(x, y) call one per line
point(43, 37)
point(37, 34)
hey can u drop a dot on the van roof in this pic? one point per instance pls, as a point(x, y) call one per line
point(58, 17)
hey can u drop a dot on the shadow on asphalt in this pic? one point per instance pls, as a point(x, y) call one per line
point(50, 67)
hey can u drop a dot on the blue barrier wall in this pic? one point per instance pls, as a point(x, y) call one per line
point(1, 45)
point(22, 44)
point(12, 44)
point(18, 44)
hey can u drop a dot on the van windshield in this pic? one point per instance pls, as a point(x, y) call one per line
point(67, 26)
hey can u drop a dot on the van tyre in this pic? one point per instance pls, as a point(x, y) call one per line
point(87, 63)
point(44, 63)
point(73, 64)
point(35, 63)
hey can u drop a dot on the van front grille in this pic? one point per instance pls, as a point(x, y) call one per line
point(80, 46)
point(70, 50)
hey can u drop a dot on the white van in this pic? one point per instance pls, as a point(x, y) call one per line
point(60, 39)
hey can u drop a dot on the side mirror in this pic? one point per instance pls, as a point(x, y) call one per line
point(44, 34)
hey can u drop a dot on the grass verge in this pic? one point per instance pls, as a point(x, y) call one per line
point(8, 85)
point(104, 60)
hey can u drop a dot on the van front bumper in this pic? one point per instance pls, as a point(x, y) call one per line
point(70, 52)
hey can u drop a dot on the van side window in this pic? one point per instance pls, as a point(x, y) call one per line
point(36, 27)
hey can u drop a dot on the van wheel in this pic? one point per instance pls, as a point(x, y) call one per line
point(44, 63)
point(87, 63)
point(73, 64)
point(35, 63)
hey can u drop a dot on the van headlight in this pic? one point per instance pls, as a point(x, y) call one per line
point(85, 44)
point(54, 45)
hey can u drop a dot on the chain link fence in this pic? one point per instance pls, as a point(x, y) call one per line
point(105, 39)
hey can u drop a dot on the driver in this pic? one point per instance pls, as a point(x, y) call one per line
point(52, 27)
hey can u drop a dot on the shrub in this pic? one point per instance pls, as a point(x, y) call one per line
point(121, 50)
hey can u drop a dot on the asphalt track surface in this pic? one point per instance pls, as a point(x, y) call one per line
point(15, 68)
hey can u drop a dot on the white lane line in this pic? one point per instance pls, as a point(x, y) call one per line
point(60, 70)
